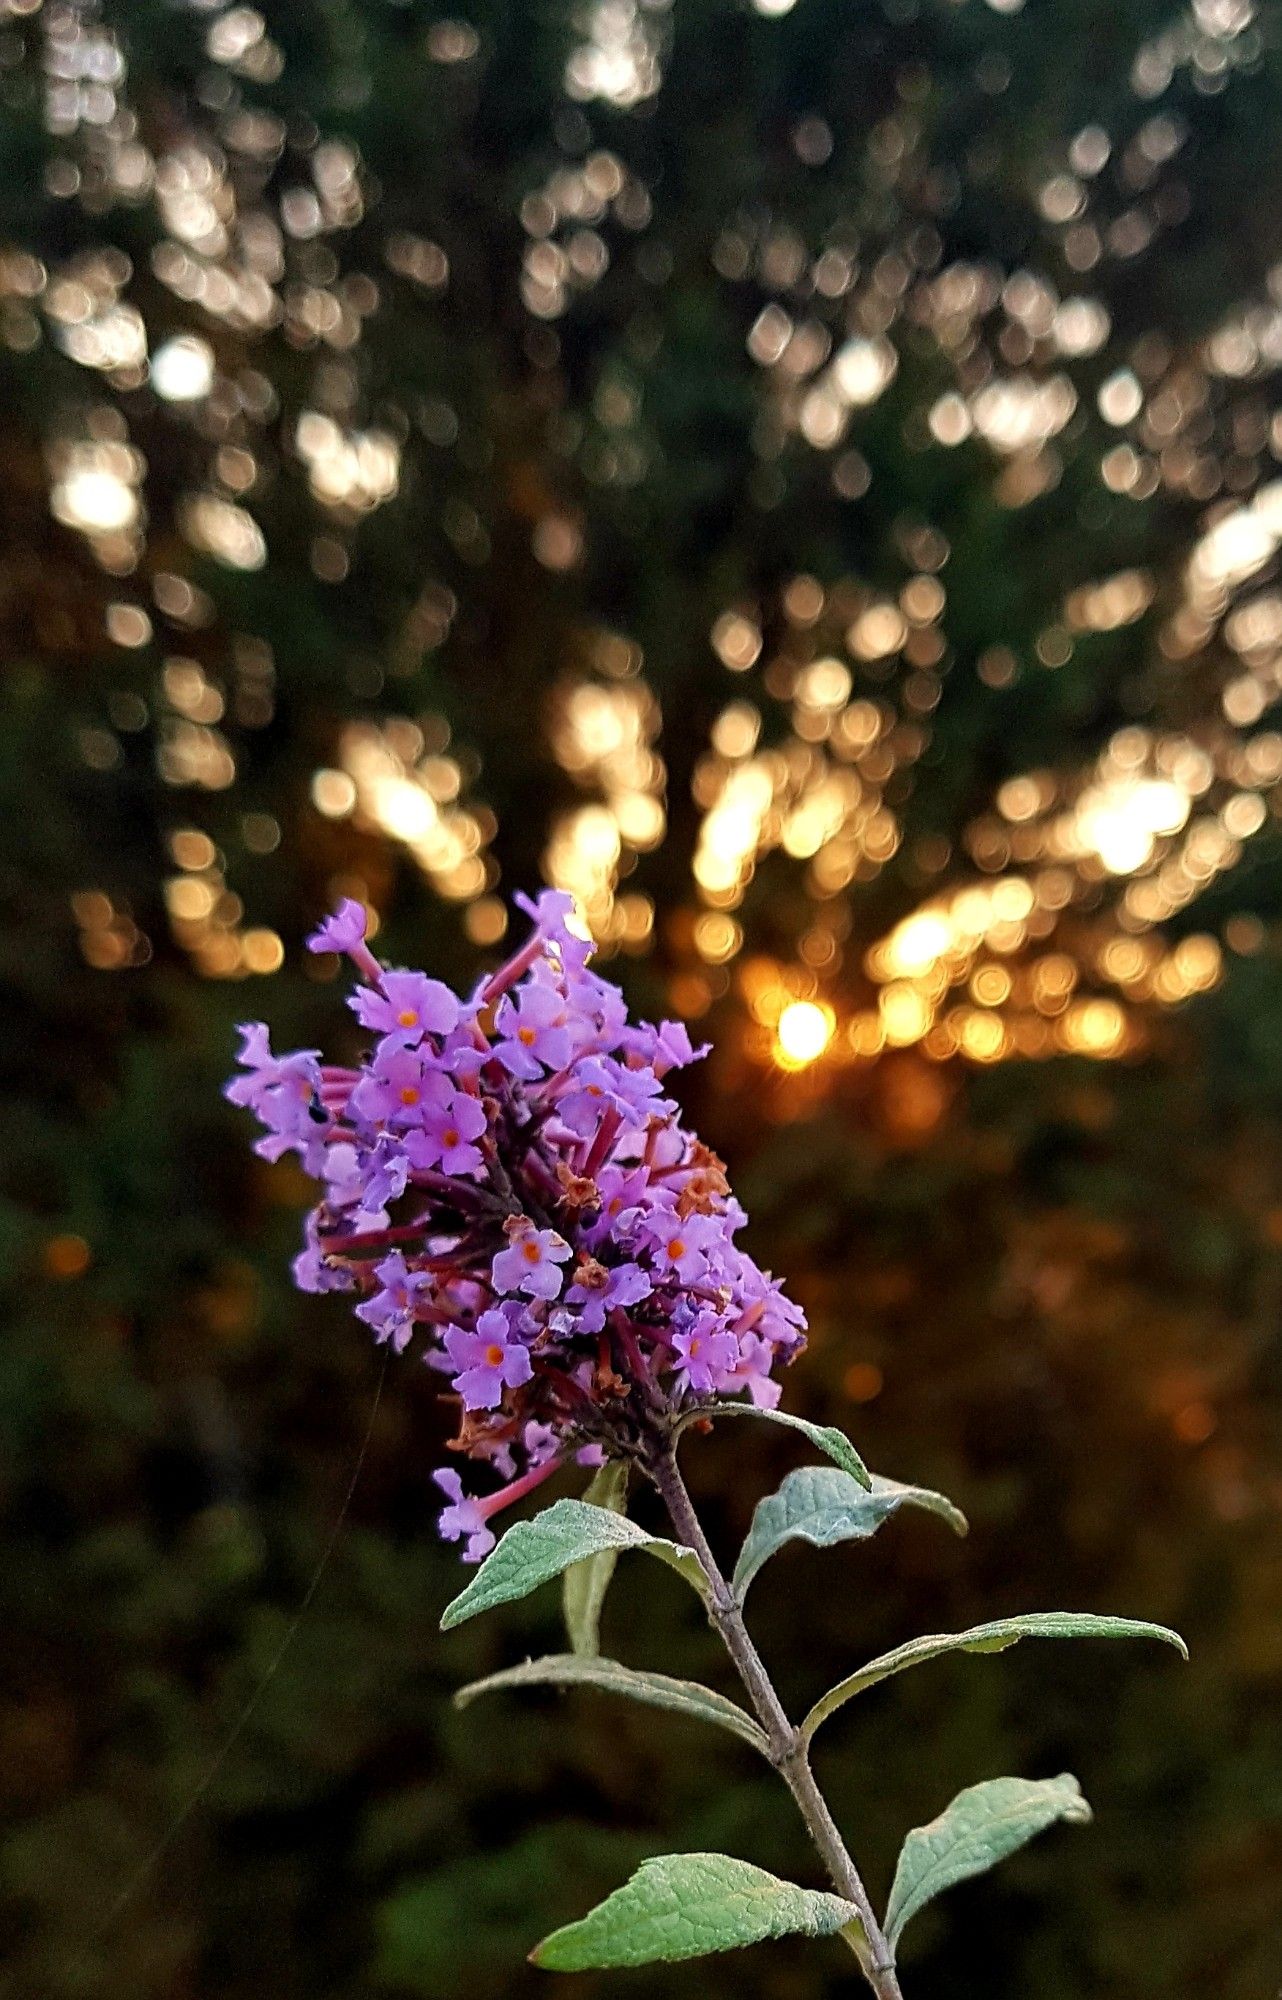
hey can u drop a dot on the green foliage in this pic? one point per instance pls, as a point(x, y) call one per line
point(686, 1906)
point(981, 1827)
point(834, 1444)
point(584, 1584)
point(533, 1552)
point(656, 1690)
point(994, 1637)
point(823, 1506)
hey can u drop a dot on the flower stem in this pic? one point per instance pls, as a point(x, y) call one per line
point(787, 1745)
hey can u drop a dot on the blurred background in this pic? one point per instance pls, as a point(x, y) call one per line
point(805, 477)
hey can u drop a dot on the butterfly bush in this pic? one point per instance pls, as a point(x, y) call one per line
point(505, 1181)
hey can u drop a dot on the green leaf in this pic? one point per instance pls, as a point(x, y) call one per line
point(991, 1638)
point(532, 1552)
point(819, 1504)
point(585, 1583)
point(657, 1690)
point(685, 1906)
point(982, 1826)
point(834, 1444)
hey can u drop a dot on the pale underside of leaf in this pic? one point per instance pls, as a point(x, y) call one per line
point(687, 1698)
point(685, 1906)
point(981, 1827)
point(834, 1444)
point(994, 1637)
point(533, 1552)
point(585, 1583)
point(822, 1505)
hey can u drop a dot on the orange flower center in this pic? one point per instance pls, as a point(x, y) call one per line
point(409, 1095)
point(450, 1138)
point(676, 1248)
point(526, 1035)
point(493, 1355)
point(407, 1017)
point(531, 1253)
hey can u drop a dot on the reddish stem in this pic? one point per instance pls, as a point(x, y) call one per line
point(517, 1490)
point(378, 1239)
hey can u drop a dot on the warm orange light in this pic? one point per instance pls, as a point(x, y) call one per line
point(804, 1032)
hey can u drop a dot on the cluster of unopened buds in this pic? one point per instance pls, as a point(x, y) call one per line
point(504, 1177)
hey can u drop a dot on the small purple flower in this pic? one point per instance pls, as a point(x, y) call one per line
point(283, 1092)
point(393, 1089)
point(752, 1371)
point(314, 1270)
point(540, 1443)
point(597, 1289)
point(343, 929)
point(462, 1518)
point(391, 1310)
point(622, 1190)
point(683, 1249)
point(451, 1123)
point(529, 1264)
point(487, 1360)
point(551, 911)
point(365, 1180)
point(779, 1319)
point(707, 1353)
point(598, 1085)
point(665, 1045)
point(673, 1047)
point(532, 1033)
point(407, 1005)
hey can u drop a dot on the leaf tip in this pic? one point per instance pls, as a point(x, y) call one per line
point(1077, 1811)
point(547, 1955)
point(843, 1453)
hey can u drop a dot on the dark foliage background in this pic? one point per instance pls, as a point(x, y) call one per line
point(566, 286)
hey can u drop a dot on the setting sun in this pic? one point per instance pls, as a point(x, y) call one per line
point(804, 1032)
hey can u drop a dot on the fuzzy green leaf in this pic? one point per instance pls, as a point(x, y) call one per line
point(532, 1552)
point(585, 1583)
point(685, 1906)
point(819, 1504)
point(991, 1638)
point(834, 1444)
point(657, 1690)
point(982, 1826)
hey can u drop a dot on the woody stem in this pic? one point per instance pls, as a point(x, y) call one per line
point(788, 1750)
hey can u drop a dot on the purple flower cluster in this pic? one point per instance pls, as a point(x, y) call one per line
point(504, 1176)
